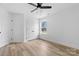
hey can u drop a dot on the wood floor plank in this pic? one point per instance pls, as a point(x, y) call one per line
point(38, 47)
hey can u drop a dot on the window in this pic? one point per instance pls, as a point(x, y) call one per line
point(44, 27)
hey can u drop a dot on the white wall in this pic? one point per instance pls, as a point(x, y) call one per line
point(4, 27)
point(18, 27)
point(63, 27)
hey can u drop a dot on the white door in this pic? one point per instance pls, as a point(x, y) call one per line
point(32, 29)
point(18, 28)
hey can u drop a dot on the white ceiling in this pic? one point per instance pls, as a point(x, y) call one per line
point(26, 8)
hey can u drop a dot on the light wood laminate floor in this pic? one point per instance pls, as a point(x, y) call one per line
point(37, 48)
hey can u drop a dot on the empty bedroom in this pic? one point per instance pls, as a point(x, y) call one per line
point(39, 29)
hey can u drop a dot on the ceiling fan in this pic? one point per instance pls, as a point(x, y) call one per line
point(39, 5)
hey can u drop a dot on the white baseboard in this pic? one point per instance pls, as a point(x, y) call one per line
point(69, 44)
point(4, 44)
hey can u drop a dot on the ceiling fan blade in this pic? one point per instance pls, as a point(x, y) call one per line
point(32, 4)
point(45, 7)
point(34, 9)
